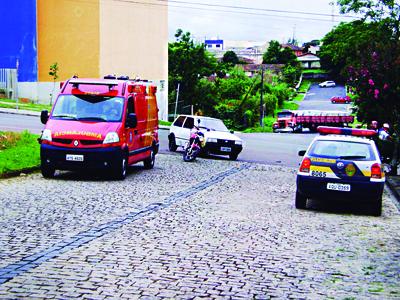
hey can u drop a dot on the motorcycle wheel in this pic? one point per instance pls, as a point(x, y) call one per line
point(188, 156)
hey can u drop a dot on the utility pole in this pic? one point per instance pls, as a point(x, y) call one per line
point(177, 97)
point(16, 81)
point(261, 98)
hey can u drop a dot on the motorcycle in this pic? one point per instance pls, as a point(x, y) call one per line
point(194, 146)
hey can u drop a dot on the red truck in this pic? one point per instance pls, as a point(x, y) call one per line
point(299, 119)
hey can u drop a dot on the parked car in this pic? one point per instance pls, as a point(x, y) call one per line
point(328, 83)
point(217, 138)
point(337, 99)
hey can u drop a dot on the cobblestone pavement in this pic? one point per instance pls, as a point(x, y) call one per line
point(213, 229)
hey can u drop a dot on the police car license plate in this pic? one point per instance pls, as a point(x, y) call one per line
point(74, 157)
point(226, 149)
point(339, 187)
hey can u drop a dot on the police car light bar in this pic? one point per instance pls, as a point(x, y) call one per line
point(346, 131)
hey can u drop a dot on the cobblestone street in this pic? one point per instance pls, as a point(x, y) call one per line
point(212, 228)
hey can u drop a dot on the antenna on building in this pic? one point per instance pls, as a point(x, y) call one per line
point(332, 3)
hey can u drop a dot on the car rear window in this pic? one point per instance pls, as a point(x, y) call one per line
point(342, 149)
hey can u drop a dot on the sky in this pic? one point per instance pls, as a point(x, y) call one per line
point(254, 20)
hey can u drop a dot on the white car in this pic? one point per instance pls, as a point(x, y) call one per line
point(218, 139)
point(327, 84)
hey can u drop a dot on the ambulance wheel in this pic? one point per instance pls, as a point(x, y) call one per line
point(148, 163)
point(171, 143)
point(300, 201)
point(47, 172)
point(121, 169)
point(233, 156)
point(376, 209)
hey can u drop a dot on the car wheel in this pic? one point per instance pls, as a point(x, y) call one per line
point(172, 143)
point(148, 163)
point(300, 201)
point(121, 169)
point(376, 209)
point(47, 171)
point(333, 101)
point(233, 156)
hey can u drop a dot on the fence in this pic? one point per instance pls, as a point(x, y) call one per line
point(8, 82)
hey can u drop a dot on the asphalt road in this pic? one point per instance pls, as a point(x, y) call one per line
point(14, 122)
point(270, 148)
point(319, 98)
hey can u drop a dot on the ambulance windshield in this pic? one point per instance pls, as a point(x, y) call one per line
point(88, 108)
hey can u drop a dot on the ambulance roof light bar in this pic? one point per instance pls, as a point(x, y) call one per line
point(76, 82)
point(324, 130)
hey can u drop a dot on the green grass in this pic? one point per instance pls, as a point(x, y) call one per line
point(166, 123)
point(314, 71)
point(305, 86)
point(18, 152)
point(9, 103)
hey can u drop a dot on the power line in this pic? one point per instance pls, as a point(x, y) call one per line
point(225, 11)
point(255, 8)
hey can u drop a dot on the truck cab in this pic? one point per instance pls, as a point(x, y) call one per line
point(105, 124)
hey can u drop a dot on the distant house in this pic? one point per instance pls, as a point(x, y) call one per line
point(214, 44)
point(298, 51)
point(252, 69)
point(309, 61)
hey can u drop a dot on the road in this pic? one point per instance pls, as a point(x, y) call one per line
point(271, 148)
point(14, 122)
point(210, 229)
point(319, 98)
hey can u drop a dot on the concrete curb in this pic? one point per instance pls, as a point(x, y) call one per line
point(394, 186)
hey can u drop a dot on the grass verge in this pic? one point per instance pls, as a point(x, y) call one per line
point(9, 103)
point(166, 123)
point(18, 152)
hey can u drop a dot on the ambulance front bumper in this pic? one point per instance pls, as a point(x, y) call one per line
point(62, 158)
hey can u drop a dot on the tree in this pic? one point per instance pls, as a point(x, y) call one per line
point(54, 74)
point(188, 62)
point(375, 73)
point(276, 54)
point(231, 58)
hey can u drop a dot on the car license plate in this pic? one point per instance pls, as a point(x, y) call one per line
point(74, 157)
point(339, 187)
point(226, 149)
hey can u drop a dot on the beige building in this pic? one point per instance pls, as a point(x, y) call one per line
point(93, 38)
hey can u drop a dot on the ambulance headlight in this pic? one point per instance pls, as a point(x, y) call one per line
point(111, 137)
point(238, 142)
point(46, 135)
point(212, 140)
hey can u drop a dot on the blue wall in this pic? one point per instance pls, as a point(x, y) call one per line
point(18, 38)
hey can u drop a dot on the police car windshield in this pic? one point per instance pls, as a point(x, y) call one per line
point(88, 108)
point(213, 124)
point(342, 149)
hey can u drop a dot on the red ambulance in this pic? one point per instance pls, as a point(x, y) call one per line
point(107, 124)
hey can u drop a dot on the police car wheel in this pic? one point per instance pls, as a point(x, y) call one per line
point(148, 163)
point(48, 172)
point(376, 209)
point(300, 201)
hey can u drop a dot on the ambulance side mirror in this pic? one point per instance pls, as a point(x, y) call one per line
point(302, 152)
point(131, 121)
point(44, 116)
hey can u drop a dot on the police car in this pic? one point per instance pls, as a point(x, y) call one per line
point(341, 163)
